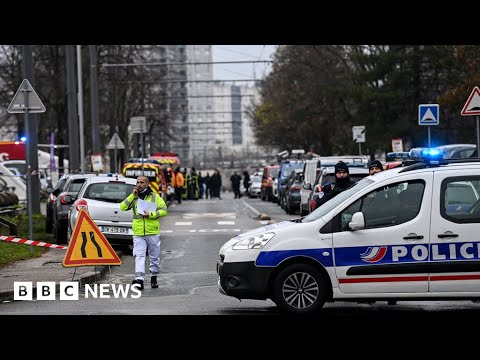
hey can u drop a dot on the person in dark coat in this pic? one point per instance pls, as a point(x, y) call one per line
point(342, 182)
point(235, 179)
point(216, 183)
point(246, 182)
point(208, 186)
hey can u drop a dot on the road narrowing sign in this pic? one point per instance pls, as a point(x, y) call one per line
point(88, 246)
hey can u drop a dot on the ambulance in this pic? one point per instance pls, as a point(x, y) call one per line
point(408, 233)
point(153, 171)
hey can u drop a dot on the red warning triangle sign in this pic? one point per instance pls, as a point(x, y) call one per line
point(88, 246)
point(472, 106)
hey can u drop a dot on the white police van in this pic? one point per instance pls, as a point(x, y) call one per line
point(406, 233)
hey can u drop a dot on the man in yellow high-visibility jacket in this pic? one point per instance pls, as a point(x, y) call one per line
point(146, 230)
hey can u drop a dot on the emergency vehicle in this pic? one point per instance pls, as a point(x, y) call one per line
point(154, 173)
point(409, 233)
point(12, 150)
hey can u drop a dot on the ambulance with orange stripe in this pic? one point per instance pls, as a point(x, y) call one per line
point(407, 233)
point(152, 170)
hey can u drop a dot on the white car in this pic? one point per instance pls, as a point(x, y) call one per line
point(396, 235)
point(101, 196)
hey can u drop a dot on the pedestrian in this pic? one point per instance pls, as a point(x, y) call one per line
point(201, 188)
point(146, 231)
point(216, 183)
point(375, 166)
point(208, 186)
point(179, 183)
point(246, 183)
point(235, 179)
point(330, 190)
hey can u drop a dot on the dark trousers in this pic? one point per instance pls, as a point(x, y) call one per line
point(178, 194)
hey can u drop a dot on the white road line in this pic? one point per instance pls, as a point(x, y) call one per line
point(183, 223)
point(209, 216)
point(255, 211)
point(200, 231)
point(226, 222)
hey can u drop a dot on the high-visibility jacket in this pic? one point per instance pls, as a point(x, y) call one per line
point(172, 177)
point(179, 180)
point(150, 225)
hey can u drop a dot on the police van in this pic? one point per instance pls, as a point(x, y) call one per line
point(407, 233)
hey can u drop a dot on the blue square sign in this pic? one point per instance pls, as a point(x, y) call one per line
point(428, 114)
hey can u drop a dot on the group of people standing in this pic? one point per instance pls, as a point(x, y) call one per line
point(193, 185)
point(236, 180)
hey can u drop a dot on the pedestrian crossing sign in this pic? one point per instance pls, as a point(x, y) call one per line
point(428, 114)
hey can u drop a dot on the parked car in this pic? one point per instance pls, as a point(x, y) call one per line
point(292, 192)
point(101, 197)
point(390, 237)
point(19, 167)
point(51, 202)
point(61, 206)
point(256, 185)
point(286, 168)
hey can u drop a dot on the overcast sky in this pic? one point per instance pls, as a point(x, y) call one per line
point(241, 53)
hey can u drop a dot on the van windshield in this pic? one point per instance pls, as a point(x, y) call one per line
point(337, 200)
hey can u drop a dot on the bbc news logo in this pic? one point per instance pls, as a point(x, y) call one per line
point(69, 290)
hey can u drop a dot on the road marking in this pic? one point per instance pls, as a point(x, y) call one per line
point(209, 216)
point(226, 223)
point(201, 230)
point(183, 223)
point(255, 211)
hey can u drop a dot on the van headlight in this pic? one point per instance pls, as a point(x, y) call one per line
point(253, 242)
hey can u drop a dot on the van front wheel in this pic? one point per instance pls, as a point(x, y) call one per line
point(299, 289)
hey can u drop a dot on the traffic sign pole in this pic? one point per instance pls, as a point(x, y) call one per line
point(478, 137)
point(28, 172)
point(115, 156)
point(428, 136)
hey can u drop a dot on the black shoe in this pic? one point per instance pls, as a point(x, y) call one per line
point(139, 283)
point(153, 281)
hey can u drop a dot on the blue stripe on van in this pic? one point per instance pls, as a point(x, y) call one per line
point(273, 258)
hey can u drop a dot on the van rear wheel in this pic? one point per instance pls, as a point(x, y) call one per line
point(299, 289)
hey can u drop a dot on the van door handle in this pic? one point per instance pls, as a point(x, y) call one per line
point(441, 236)
point(413, 237)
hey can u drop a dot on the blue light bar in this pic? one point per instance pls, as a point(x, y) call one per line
point(430, 156)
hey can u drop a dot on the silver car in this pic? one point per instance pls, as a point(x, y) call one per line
point(101, 197)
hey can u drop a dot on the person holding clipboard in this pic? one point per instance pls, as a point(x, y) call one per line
point(147, 208)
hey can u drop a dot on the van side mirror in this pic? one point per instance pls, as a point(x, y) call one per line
point(307, 186)
point(358, 221)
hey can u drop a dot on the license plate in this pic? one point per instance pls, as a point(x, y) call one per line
point(114, 229)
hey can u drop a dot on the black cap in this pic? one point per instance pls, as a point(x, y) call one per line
point(341, 166)
point(376, 163)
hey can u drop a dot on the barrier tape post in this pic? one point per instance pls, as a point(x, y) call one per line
point(32, 242)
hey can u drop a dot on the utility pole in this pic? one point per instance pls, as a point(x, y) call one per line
point(94, 99)
point(72, 111)
point(80, 108)
point(32, 136)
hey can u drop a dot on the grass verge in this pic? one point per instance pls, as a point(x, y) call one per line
point(10, 252)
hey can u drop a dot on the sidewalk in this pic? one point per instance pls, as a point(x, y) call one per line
point(47, 267)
